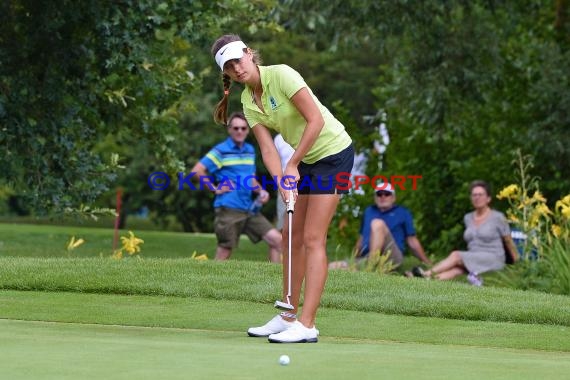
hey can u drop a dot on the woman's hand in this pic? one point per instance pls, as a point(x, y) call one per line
point(289, 182)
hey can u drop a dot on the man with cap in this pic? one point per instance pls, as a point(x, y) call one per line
point(386, 228)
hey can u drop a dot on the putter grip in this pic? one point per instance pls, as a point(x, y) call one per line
point(291, 202)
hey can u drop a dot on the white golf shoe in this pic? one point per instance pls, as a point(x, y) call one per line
point(297, 333)
point(274, 326)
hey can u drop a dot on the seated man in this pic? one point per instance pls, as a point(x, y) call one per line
point(386, 228)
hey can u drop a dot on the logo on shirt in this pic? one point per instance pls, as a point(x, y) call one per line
point(272, 102)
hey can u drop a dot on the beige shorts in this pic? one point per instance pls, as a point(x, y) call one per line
point(390, 248)
point(229, 224)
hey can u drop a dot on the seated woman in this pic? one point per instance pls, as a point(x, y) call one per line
point(487, 235)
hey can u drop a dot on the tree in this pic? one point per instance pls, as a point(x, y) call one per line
point(78, 75)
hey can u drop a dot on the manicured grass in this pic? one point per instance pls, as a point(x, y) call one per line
point(70, 351)
point(260, 282)
point(84, 315)
point(236, 316)
point(115, 352)
point(29, 240)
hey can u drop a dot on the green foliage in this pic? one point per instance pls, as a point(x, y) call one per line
point(463, 84)
point(457, 112)
point(545, 259)
point(462, 88)
point(558, 261)
point(82, 80)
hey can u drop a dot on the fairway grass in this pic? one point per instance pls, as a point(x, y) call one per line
point(211, 343)
point(237, 316)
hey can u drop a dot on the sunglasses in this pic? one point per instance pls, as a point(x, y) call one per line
point(243, 129)
point(383, 193)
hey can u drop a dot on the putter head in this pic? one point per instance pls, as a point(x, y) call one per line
point(283, 305)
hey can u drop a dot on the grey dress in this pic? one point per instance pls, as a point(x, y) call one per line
point(485, 250)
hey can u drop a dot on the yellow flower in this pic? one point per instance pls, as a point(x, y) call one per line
point(118, 255)
point(509, 192)
point(566, 212)
point(513, 218)
point(533, 220)
point(72, 244)
point(556, 230)
point(564, 207)
point(542, 210)
point(538, 197)
point(526, 201)
point(131, 243)
point(566, 200)
point(201, 257)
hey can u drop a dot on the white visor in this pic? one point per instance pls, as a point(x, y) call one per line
point(233, 50)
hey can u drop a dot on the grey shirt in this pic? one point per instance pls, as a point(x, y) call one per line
point(485, 250)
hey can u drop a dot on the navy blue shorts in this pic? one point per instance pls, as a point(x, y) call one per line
point(329, 175)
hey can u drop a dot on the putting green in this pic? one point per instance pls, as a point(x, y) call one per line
point(49, 350)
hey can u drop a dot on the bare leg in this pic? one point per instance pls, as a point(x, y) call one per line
point(273, 239)
point(450, 274)
point(378, 232)
point(223, 253)
point(450, 262)
point(320, 209)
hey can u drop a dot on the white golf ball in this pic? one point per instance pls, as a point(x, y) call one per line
point(284, 360)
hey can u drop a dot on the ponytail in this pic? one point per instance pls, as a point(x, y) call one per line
point(221, 110)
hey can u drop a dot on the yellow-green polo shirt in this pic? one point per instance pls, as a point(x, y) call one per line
point(280, 83)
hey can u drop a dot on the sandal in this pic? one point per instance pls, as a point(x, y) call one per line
point(419, 272)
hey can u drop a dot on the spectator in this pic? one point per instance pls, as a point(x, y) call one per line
point(486, 233)
point(385, 229)
point(230, 162)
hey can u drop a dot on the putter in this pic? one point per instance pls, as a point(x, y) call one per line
point(290, 208)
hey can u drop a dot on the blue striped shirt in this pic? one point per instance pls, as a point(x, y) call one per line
point(231, 167)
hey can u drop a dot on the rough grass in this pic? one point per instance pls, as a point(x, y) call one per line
point(260, 282)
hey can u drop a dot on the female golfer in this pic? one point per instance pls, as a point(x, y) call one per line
point(277, 97)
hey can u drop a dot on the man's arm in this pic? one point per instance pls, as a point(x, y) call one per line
point(357, 247)
point(202, 172)
point(417, 249)
point(258, 189)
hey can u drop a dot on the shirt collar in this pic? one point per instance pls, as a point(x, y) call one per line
point(394, 206)
point(232, 144)
point(263, 76)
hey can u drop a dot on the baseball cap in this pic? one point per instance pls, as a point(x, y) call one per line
point(384, 186)
point(232, 50)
